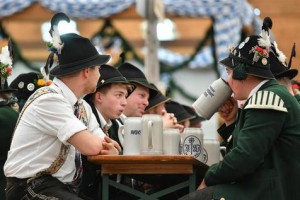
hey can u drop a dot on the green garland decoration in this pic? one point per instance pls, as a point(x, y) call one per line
point(165, 68)
point(17, 53)
point(214, 47)
point(173, 86)
point(114, 32)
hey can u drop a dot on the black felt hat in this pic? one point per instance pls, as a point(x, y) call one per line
point(180, 113)
point(25, 84)
point(158, 99)
point(279, 67)
point(110, 74)
point(76, 54)
point(136, 76)
point(4, 87)
point(192, 111)
point(252, 55)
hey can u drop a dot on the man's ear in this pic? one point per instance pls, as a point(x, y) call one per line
point(98, 96)
point(85, 72)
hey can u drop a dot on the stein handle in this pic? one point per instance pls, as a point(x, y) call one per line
point(222, 151)
point(121, 134)
point(150, 142)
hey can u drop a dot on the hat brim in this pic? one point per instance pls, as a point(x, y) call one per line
point(8, 90)
point(251, 70)
point(61, 70)
point(184, 117)
point(290, 73)
point(158, 101)
point(152, 90)
point(197, 119)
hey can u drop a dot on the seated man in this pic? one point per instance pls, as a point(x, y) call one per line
point(183, 117)
point(107, 103)
point(56, 126)
point(266, 131)
point(157, 106)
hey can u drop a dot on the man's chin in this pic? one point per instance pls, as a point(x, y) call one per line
point(94, 90)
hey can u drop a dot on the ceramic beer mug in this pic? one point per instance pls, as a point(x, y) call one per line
point(171, 141)
point(211, 151)
point(210, 101)
point(129, 135)
point(192, 142)
point(152, 134)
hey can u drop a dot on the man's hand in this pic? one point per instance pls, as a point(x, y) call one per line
point(202, 185)
point(228, 111)
point(170, 121)
point(110, 147)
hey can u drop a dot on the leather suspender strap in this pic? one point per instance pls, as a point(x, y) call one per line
point(64, 149)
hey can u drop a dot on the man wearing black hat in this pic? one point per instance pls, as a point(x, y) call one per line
point(280, 69)
point(183, 117)
point(56, 126)
point(283, 74)
point(107, 103)
point(196, 121)
point(139, 99)
point(263, 162)
point(157, 106)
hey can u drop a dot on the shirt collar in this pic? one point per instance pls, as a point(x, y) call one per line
point(122, 117)
point(103, 121)
point(66, 92)
point(256, 88)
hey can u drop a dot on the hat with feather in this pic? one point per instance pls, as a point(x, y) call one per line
point(278, 65)
point(6, 62)
point(252, 55)
point(74, 52)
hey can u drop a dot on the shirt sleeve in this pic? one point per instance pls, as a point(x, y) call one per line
point(56, 116)
point(254, 140)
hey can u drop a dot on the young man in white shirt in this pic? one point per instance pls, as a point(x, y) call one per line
point(107, 103)
point(44, 157)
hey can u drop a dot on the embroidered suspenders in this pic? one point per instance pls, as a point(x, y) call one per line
point(64, 149)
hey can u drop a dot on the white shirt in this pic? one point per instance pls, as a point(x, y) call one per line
point(256, 88)
point(46, 123)
point(102, 120)
point(122, 119)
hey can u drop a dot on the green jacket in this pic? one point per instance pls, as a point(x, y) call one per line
point(264, 161)
point(8, 120)
point(297, 98)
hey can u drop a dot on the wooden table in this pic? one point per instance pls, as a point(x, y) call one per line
point(147, 165)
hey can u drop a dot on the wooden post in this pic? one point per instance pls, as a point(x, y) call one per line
point(152, 70)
